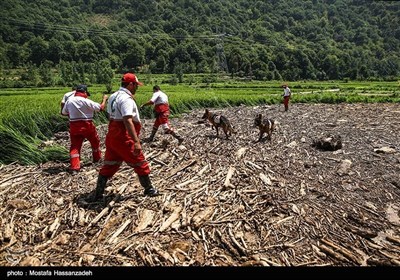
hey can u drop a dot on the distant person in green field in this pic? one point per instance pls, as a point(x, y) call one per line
point(66, 97)
point(286, 96)
point(80, 110)
point(161, 109)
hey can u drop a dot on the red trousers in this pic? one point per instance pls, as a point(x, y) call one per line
point(162, 114)
point(162, 118)
point(79, 131)
point(119, 148)
point(286, 101)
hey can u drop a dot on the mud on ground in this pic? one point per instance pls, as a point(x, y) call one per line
point(224, 202)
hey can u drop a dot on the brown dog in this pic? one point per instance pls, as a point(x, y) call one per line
point(265, 126)
point(219, 121)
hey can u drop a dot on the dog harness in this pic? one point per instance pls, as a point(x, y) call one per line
point(216, 118)
point(269, 124)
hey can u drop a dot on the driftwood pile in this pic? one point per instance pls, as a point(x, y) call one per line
point(224, 202)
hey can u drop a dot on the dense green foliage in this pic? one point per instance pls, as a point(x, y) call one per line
point(66, 41)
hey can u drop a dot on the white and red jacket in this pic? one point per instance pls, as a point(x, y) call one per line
point(286, 92)
point(121, 104)
point(79, 108)
point(160, 101)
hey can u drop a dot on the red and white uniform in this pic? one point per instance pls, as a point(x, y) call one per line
point(161, 108)
point(80, 112)
point(119, 144)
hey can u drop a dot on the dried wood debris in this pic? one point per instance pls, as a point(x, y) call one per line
point(224, 202)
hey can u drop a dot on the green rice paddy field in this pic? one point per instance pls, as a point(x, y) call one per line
point(31, 115)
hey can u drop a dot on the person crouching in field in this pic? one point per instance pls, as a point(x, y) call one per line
point(80, 110)
point(286, 96)
point(161, 109)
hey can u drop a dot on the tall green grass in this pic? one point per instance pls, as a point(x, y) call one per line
point(23, 149)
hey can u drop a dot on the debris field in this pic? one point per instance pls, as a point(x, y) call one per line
point(324, 191)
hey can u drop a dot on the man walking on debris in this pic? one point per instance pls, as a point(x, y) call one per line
point(122, 139)
point(286, 96)
point(80, 110)
point(161, 109)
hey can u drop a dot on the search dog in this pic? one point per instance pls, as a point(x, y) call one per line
point(265, 126)
point(217, 121)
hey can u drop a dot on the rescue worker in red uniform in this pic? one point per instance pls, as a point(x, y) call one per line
point(161, 109)
point(286, 96)
point(80, 110)
point(122, 139)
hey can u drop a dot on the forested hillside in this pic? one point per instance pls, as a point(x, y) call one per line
point(265, 40)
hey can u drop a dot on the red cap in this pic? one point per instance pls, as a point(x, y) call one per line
point(130, 77)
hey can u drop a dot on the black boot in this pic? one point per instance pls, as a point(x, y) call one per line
point(180, 138)
point(96, 194)
point(153, 133)
point(147, 185)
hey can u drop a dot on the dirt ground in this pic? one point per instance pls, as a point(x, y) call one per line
point(231, 202)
